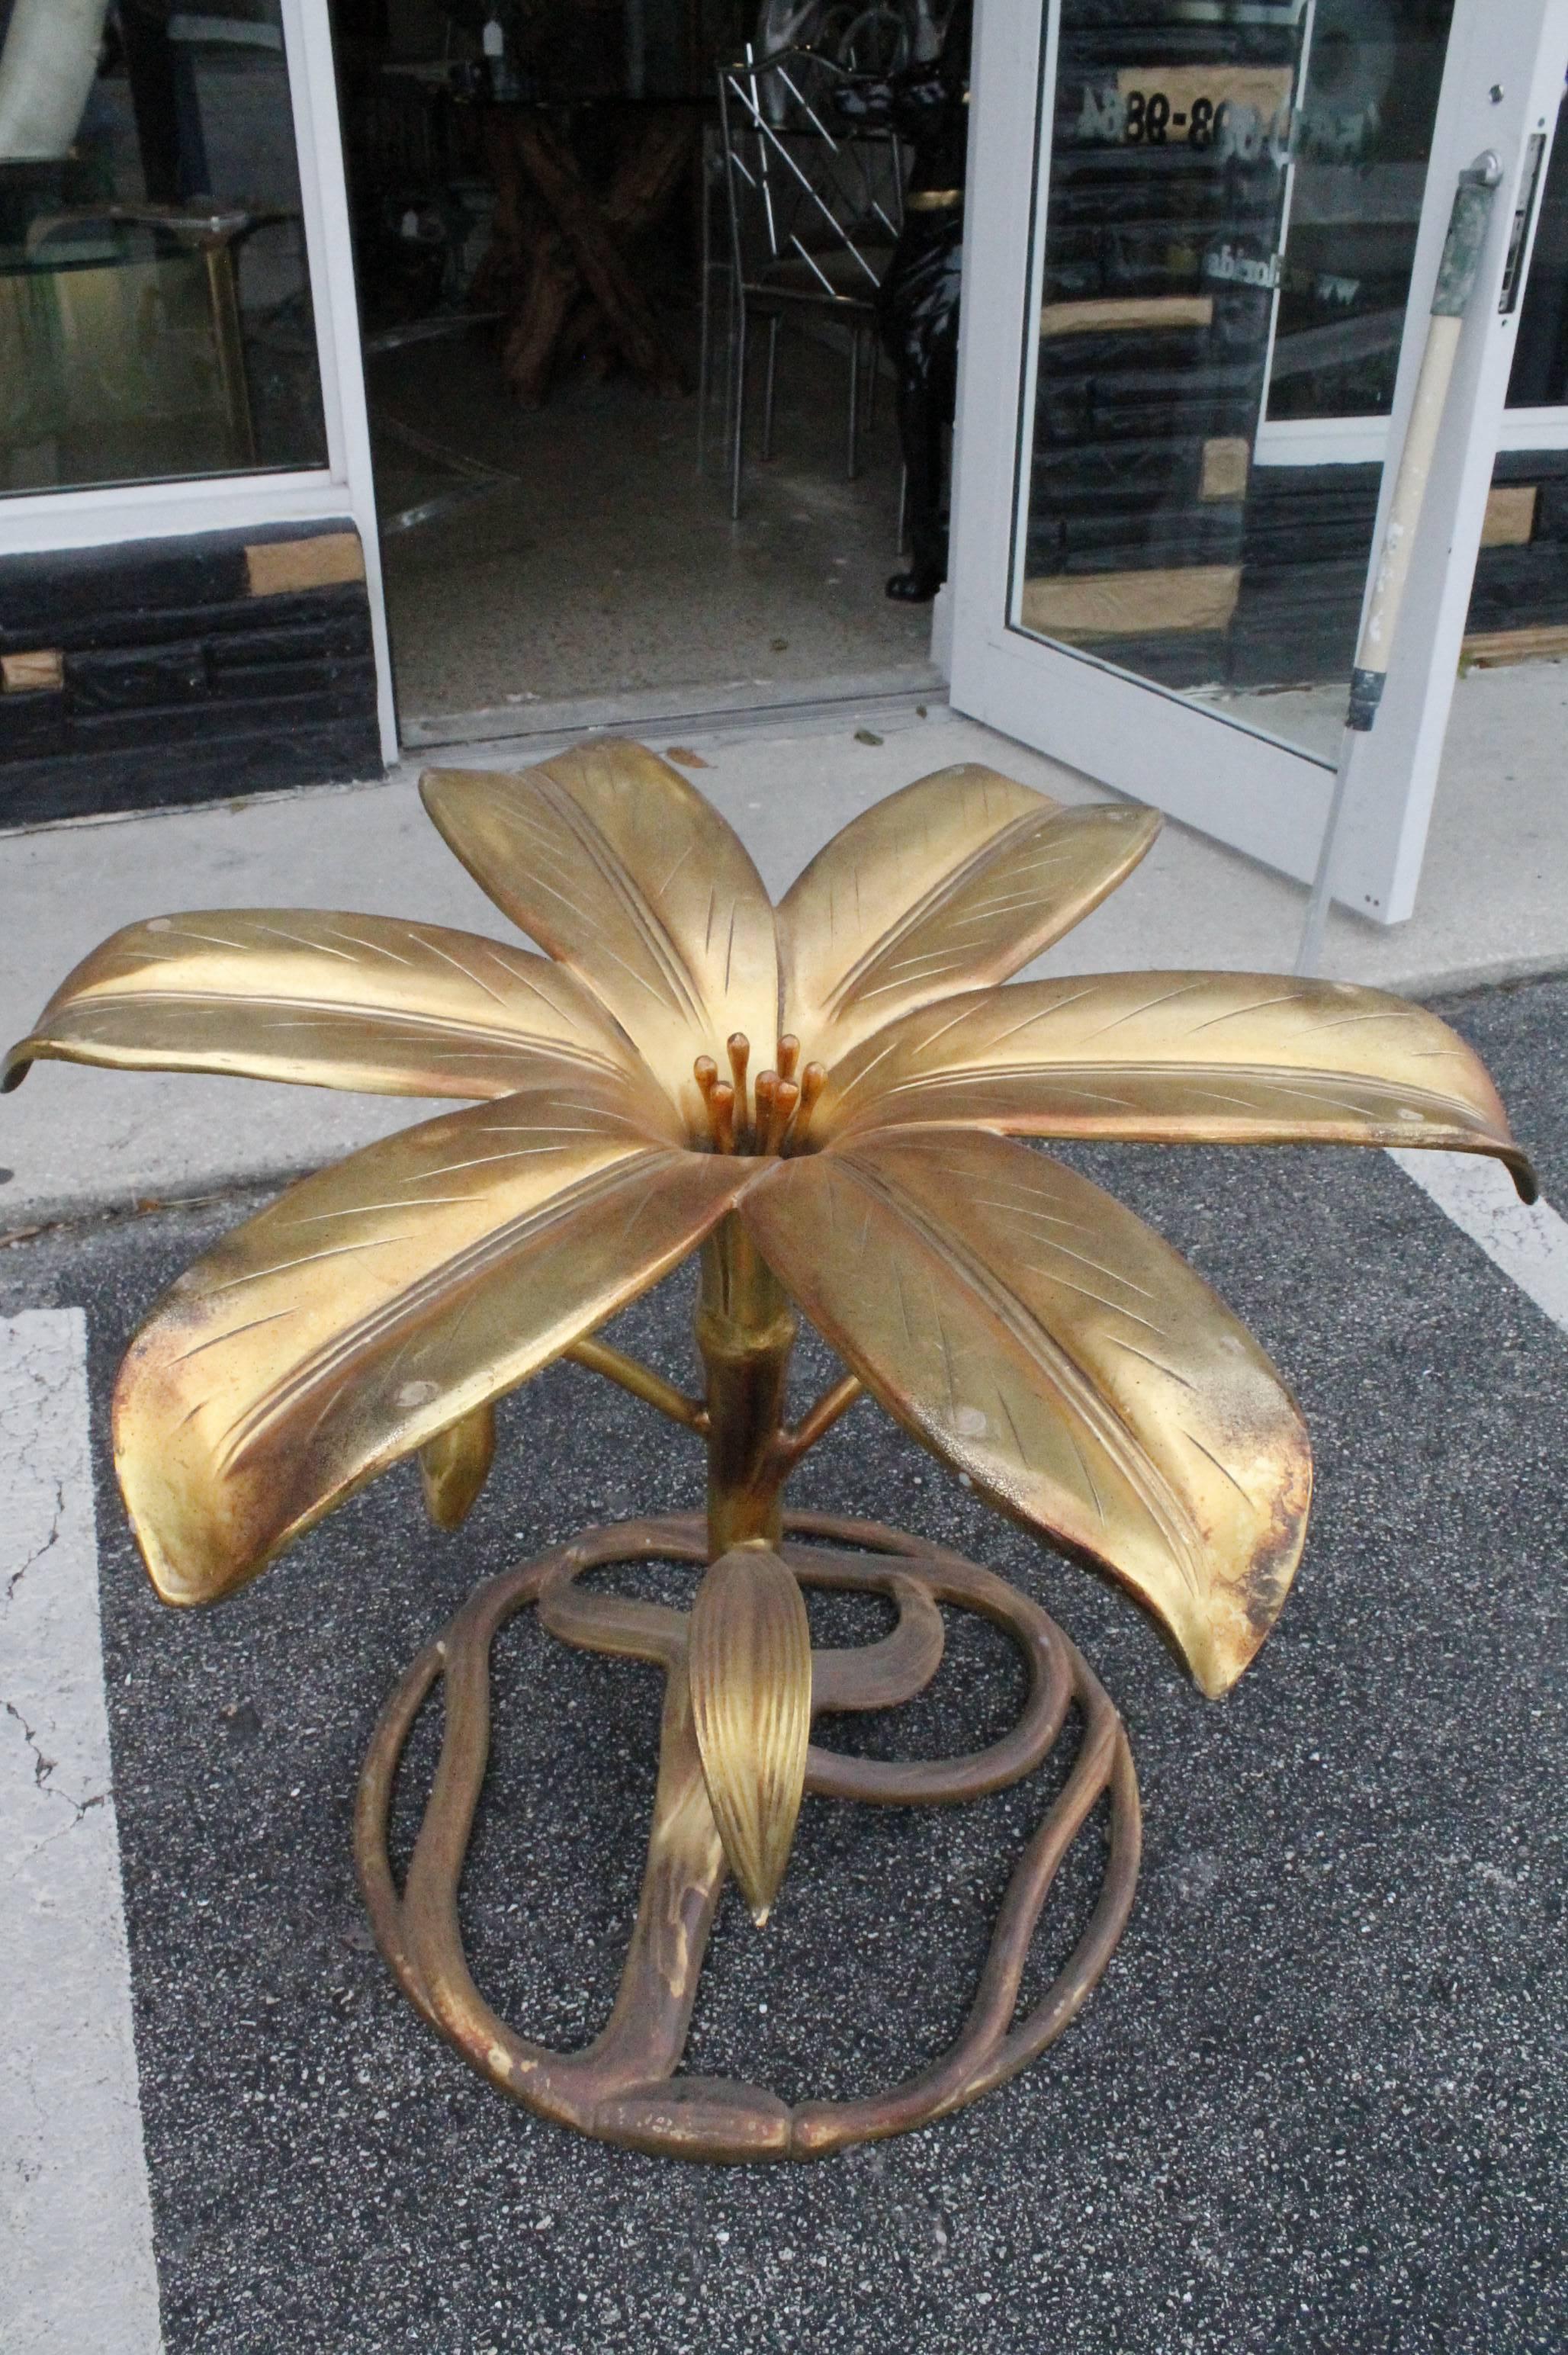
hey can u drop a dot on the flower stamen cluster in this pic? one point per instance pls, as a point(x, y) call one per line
point(777, 1117)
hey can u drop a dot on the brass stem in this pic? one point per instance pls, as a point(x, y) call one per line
point(822, 1417)
point(642, 1381)
point(746, 1331)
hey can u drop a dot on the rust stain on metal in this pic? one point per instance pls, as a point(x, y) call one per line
point(624, 2087)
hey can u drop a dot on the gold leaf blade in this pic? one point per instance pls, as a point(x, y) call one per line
point(374, 1305)
point(1036, 1336)
point(1179, 1058)
point(749, 1660)
point(959, 879)
point(335, 1000)
point(455, 1466)
point(616, 863)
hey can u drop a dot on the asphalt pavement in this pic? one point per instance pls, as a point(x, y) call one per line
point(1319, 2100)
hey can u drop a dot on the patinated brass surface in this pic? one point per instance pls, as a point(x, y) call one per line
point(825, 1100)
point(1055, 1352)
point(748, 1660)
point(623, 2086)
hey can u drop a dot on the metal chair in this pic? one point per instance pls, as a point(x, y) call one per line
point(813, 218)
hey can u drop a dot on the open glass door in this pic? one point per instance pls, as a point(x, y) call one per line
point(1199, 259)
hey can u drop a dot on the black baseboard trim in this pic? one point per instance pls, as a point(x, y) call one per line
point(266, 760)
point(157, 674)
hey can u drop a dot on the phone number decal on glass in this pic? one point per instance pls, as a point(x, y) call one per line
point(1151, 118)
point(1238, 111)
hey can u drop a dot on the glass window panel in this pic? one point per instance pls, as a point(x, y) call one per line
point(1539, 378)
point(1374, 69)
point(1183, 134)
point(156, 319)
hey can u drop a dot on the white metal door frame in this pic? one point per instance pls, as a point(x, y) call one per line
point(1503, 85)
point(324, 195)
point(1502, 82)
point(35, 522)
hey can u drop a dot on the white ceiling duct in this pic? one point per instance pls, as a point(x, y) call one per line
point(46, 71)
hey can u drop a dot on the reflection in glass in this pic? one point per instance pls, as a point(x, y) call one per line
point(1539, 378)
point(1374, 69)
point(1183, 137)
point(154, 304)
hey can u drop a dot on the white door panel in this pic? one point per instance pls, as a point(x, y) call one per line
point(1174, 585)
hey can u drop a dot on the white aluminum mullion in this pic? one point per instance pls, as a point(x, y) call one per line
point(323, 196)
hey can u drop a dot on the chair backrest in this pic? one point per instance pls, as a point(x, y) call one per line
point(870, 36)
point(807, 194)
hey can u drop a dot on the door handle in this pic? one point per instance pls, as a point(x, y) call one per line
point(1530, 194)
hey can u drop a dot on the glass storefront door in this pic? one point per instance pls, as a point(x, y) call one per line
point(1232, 203)
point(1237, 210)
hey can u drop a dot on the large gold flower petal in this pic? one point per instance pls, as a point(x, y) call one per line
point(1036, 1335)
point(615, 863)
point(373, 1306)
point(958, 879)
point(335, 1001)
point(1180, 1059)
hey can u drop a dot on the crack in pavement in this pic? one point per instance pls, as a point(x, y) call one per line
point(38, 1552)
point(44, 1767)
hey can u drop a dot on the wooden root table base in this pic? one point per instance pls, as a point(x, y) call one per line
point(562, 257)
point(622, 2087)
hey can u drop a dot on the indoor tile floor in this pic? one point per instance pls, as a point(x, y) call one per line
point(610, 564)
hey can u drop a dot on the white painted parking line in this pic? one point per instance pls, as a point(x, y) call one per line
point(77, 2275)
point(1529, 1245)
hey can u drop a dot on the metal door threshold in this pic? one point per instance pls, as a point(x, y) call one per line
point(734, 705)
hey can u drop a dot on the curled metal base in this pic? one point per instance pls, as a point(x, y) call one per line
point(622, 2087)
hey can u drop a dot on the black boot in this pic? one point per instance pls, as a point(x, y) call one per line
point(914, 586)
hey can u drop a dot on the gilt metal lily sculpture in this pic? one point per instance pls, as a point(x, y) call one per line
point(825, 1098)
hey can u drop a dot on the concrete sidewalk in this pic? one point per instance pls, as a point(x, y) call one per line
point(1494, 907)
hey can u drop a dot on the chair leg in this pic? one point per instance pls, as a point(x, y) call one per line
point(854, 466)
point(705, 345)
point(876, 369)
point(768, 387)
point(738, 449)
point(904, 509)
point(731, 307)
